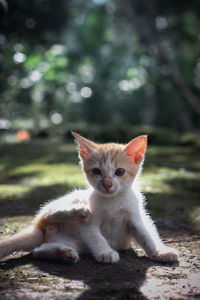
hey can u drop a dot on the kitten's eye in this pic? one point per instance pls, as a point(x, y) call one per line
point(120, 172)
point(96, 171)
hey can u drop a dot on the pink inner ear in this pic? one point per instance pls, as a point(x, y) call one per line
point(136, 148)
point(83, 152)
point(86, 146)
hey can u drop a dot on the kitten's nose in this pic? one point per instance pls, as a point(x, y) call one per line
point(107, 183)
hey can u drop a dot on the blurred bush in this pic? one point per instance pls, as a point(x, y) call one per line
point(124, 68)
point(124, 133)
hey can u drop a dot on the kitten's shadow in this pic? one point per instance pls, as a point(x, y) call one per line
point(118, 281)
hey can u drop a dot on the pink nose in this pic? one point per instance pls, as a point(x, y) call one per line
point(107, 183)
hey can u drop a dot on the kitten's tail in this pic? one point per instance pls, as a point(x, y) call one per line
point(26, 240)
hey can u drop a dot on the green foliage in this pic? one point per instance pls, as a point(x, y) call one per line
point(93, 29)
point(33, 61)
point(99, 62)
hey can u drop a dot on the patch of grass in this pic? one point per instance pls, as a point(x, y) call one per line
point(171, 181)
point(14, 224)
point(45, 281)
point(35, 172)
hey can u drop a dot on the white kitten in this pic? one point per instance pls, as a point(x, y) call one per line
point(101, 219)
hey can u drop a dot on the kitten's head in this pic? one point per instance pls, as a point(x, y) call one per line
point(111, 168)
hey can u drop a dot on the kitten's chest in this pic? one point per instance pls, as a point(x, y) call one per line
point(113, 218)
point(111, 215)
point(113, 225)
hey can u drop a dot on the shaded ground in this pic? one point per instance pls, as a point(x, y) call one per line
point(35, 172)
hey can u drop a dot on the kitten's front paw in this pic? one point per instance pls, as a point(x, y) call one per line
point(166, 254)
point(109, 257)
point(81, 213)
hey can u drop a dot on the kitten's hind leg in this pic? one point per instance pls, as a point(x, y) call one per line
point(69, 255)
point(53, 251)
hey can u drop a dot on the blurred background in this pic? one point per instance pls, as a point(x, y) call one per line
point(107, 69)
point(110, 70)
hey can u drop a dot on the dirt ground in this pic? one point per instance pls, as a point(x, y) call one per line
point(133, 277)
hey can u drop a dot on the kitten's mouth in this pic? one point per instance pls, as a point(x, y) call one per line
point(109, 192)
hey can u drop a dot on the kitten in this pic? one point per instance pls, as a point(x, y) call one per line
point(101, 219)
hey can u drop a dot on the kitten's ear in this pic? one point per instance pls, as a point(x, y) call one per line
point(86, 147)
point(136, 148)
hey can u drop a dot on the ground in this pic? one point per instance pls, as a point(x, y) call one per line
point(37, 171)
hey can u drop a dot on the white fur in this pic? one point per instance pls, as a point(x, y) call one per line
point(113, 224)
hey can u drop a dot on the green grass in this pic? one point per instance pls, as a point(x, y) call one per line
point(35, 172)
